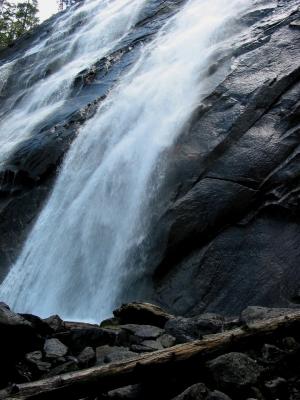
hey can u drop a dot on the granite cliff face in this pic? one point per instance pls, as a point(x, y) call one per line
point(226, 231)
point(234, 221)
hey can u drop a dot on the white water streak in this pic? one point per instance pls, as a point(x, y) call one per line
point(105, 25)
point(78, 256)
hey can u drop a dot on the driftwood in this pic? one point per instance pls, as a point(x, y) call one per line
point(99, 379)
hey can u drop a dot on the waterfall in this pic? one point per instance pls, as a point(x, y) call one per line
point(58, 59)
point(82, 249)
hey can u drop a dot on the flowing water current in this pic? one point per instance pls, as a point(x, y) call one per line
point(79, 253)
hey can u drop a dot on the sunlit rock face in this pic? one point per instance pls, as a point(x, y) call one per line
point(165, 137)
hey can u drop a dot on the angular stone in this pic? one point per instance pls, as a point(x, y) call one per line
point(255, 313)
point(18, 336)
point(74, 325)
point(234, 371)
point(106, 354)
point(152, 345)
point(110, 323)
point(142, 313)
point(55, 323)
point(131, 392)
point(87, 357)
point(92, 336)
point(143, 331)
point(272, 353)
point(196, 392)
point(277, 388)
point(139, 348)
point(187, 329)
point(35, 358)
point(167, 340)
point(216, 395)
point(289, 343)
point(39, 325)
point(69, 366)
point(54, 348)
point(9, 318)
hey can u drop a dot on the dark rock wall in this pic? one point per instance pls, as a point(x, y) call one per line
point(234, 225)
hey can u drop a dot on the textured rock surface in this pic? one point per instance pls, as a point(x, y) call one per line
point(233, 222)
point(53, 348)
point(184, 329)
point(142, 313)
point(234, 370)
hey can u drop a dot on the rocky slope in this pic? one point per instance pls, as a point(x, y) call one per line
point(229, 225)
point(261, 366)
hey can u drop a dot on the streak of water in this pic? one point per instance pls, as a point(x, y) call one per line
point(83, 246)
point(60, 57)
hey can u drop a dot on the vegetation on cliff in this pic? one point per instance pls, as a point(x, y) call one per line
point(16, 19)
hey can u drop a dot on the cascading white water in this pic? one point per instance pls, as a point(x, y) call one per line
point(78, 255)
point(106, 23)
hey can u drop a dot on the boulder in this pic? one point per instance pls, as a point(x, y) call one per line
point(130, 392)
point(234, 371)
point(110, 323)
point(255, 313)
point(186, 329)
point(142, 313)
point(68, 366)
point(272, 354)
point(216, 395)
point(277, 388)
point(55, 323)
point(54, 348)
point(107, 354)
point(10, 319)
point(17, 334)
point(147, 346)
point(143, 331)
point(167, 340)
point(79, 325)
point(290, 344)
point(87, 357)
point(196, 392)
point(77, 339)
point(35, 358)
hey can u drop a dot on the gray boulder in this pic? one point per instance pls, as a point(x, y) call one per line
point(87, 357)
point(35, 358)
point(186, 329)
point(143, 331)
point(54, 348)
point(196, 392)
point(107, 354)
point(234, 371)
point(130, 392)
point(216, 395)
point(256, 313)
point(68, 366)
point(55, 323)
point(142, 313)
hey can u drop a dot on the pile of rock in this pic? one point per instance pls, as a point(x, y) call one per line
point(268, 368)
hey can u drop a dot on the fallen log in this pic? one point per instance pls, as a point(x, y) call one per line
point(96, 380)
